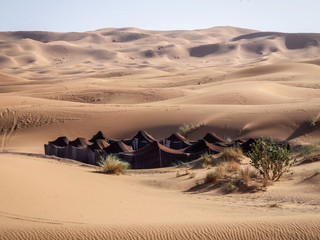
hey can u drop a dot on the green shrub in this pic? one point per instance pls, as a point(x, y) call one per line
point(312, 120)
point(186, 129)
point(114, 165)
point(310, 149)
point(271, 160)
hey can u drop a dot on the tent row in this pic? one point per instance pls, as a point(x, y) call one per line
point(142, 151)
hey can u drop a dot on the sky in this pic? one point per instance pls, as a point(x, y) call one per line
point(87, 15)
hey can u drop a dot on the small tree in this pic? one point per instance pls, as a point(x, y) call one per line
point(271, 160)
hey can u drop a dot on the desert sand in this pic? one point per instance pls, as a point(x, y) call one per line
point(237, 82)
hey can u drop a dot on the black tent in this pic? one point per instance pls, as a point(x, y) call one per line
point(202, 146)
point(117, 147)
point(141, 139)
point(154, 155)
point(215, 139)
point(246, 146)
point(176, 141)
point(96, 152)
point(78, 150)
point(98, 135)
point(57, 147)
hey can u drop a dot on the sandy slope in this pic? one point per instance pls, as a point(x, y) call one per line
point(56, 199)
point(238, 82)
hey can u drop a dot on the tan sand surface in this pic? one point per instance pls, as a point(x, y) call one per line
point(237, 82)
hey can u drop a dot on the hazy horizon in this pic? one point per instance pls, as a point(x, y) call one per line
point(81, 15)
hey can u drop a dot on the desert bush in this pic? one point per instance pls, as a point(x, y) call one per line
point(213, 176)
point(229, 187)
point(312, 120)
point(312, 157)
point(232, 167)
point(192, 175)
point(180, 164)
point(308, 149)
point(186, 129)
point(247, 174)
point(114, 165)
point(232, 154)
point(207, 159)
point(270, 160)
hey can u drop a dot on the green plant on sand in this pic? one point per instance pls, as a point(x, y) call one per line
point(114, 165)
point(186, 129)
point(271, 160)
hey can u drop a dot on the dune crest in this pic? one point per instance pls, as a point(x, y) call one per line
point(238, 83)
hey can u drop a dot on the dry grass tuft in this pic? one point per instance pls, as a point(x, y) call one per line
point(234, 179)
point(232, 167)
point(232, 154)
point(207, 159)
point(114, 165)
point(213, 176)
point(229, 187)
point(248, 174)
point(192, 175)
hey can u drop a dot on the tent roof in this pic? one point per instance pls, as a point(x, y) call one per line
point(153, 147)
point(60, 141)
point(117, 147)
point(246, 145)
point(144, 136)
point(98, 144)
point(98, 135)
point(177, 138)
point(79, 142)
point(213, 138)
point(202, 145)
point(239, 140)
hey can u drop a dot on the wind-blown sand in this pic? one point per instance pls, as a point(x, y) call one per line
point(238, 82)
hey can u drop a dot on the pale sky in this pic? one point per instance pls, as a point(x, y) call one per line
point(86, 15)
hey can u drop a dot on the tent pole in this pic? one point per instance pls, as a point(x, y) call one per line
point(160, 158)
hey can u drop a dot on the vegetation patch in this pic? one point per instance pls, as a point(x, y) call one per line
point(312, 120)
point(232, 154)
point(113, 165)
point(187, 129)
point(270, 160)
point(207, 159)
point(310, 153)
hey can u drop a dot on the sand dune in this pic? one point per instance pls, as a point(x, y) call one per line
point(83, 203)
point(237, 82)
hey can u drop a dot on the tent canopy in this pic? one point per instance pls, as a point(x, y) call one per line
point(144, 136)
point(203, 146)
point(79, 142)
point(99, 144)
point(177, 137)
point(213, 138)
point(98, 135)
point(117, 147)
point(60, 141)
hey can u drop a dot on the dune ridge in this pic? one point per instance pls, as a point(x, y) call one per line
point(238, 83)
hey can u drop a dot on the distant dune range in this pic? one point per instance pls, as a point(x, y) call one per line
point(237, 82)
